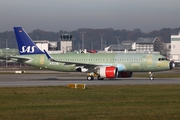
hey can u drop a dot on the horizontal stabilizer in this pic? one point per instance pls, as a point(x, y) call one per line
point(20, 59)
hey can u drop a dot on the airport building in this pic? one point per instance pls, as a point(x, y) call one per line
point(154, 45)
point(150, 44)
point(62, 46)
point(50, 46)
point(66, 42)
point(175, 49)
point(124, 46)
point(42, 44)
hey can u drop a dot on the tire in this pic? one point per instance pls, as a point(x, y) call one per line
point(89, 78)
point(151, 78)
point(99, 78)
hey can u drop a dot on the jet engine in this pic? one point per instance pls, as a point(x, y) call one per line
point(124, 74)
point(108, 72)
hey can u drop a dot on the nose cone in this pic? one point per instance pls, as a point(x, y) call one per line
point(171, 65)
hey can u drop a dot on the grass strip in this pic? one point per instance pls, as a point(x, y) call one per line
point(96, 102)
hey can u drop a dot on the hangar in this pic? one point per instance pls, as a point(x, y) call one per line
point(175, 47)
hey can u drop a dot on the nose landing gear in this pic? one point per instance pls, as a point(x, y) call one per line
point(151, 76)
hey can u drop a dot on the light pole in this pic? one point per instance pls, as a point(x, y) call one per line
point(92, 47)
point(118, 40)
point(101, 35)
point(79, 45)
point(36, 37)
point(82, 39)
point(6, 51)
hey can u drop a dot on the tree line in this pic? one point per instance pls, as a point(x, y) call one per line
point(92, 37)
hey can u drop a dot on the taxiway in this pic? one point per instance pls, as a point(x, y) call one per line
point(24, 80)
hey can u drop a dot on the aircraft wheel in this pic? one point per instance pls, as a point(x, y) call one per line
point(100, 78)
point(151, 78)
point(89, 78)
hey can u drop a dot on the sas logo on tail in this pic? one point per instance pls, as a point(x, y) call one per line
point(27, 49)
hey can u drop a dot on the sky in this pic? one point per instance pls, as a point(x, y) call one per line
point(70, 15)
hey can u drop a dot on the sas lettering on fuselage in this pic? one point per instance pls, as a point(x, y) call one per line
point(27, 49)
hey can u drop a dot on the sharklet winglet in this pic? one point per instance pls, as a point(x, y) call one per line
point(48, 56)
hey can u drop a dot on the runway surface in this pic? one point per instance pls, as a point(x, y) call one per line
point(24, 80)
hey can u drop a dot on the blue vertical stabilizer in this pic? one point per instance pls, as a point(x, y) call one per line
point(25, 43)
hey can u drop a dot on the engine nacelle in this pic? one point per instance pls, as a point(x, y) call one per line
point(124, 74)
point(108, 72)
point(79, 69)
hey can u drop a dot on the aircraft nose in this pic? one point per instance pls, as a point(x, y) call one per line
point(171, 65)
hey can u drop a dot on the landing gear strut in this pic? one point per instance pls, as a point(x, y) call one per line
point(90, 76)
point(151, 76)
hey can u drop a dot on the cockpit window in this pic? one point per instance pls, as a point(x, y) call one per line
point(162, 59)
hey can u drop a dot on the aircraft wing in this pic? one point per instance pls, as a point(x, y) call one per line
point(75, 63)
point(90, 66)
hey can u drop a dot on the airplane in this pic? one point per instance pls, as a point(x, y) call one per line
point(6, 53)
point(102, 65)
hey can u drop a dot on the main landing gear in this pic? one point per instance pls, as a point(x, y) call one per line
point(99, 77)
point(90, 76)
point(151, 76)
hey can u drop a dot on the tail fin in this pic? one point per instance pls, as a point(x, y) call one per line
point(25, 43)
